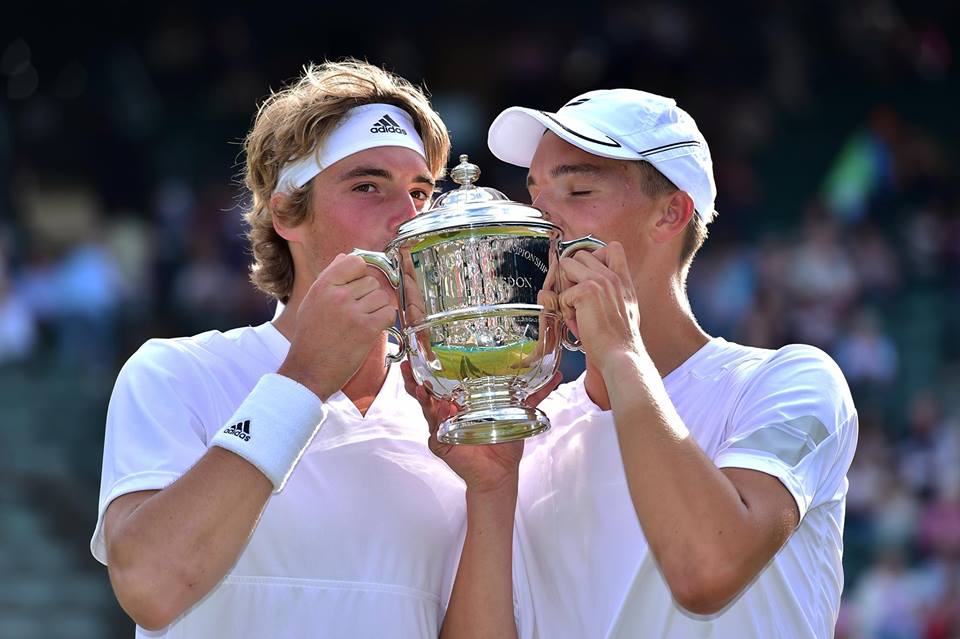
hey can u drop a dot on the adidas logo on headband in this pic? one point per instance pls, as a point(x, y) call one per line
point(386, 124)
point(353, 133)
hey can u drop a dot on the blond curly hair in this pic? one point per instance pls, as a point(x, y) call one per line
point(288, 126)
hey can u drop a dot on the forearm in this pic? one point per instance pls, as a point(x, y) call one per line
point(481, 604)
point(696, 522)
point(172, 549)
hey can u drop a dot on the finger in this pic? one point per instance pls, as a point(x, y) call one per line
point(439, 410)
point(435, 445)
point(593, 261)
point(583, 293)
point(550, 280)
point(563, 281)
point(384, 317)
point(548, 299)
point(375, 300)
point(576, 271)
point(430, 409)
point(587, 265)
point(589, 258)
point(567, 312)
point(448, 410)
point(362, 286)
point(598, 268)
point(346, 268)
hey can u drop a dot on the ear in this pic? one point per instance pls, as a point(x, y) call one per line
point(278, 203)
point(674, 217)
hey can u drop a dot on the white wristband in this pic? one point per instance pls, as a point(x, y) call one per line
point(273, 426)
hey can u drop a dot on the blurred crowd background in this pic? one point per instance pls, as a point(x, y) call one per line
point(835, 136)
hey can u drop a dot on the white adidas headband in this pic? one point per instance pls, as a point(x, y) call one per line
point(361, 128)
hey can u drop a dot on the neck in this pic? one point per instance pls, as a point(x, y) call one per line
point(366, 383)
point(670, 334)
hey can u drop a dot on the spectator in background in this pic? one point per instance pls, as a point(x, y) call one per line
point(821, 281)
point(89, 289)
point(888, 603)
point(723, 287)
point(866, 354)
point(918, 452)
point(876, 263)
point(18, 331)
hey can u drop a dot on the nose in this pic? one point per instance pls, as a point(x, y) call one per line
point(406, 210)
point(545, 204)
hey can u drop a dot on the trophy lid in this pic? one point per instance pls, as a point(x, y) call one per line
point(471, 206)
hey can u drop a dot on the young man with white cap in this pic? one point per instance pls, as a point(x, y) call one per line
point(274, 481)
point(689, 486)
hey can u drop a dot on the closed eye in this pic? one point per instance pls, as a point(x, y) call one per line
point(580, 192)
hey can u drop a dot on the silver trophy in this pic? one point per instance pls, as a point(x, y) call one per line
point(477, 282)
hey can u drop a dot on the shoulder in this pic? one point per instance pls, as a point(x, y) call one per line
point(788, 366)
point(802, 367)
point(170, 354)
point(798, 379)
point(180, 360)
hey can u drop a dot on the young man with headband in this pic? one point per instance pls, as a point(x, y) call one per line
point(274, 481)
point(690, 486)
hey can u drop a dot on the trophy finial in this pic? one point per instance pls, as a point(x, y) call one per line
point(465, 173)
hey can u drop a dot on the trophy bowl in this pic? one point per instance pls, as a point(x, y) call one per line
point(476, 277)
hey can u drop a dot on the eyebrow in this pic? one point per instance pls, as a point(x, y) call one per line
point(373, 171)
point(569, 169)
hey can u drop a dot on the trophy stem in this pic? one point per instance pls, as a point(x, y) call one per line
point(492, 412)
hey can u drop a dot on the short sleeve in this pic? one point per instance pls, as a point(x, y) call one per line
point(152, 434)
point(796, 421)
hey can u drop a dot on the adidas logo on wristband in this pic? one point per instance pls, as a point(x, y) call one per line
point(241, 430)
point(386, 124)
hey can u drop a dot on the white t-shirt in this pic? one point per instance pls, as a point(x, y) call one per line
point(583, 567)
point(362, 542)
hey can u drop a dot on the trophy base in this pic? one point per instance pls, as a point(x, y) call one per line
point(493, 425)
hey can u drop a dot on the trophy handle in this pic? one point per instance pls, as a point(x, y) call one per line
point(588, 243)
point(382, 262)
point(393, 358)
point(569, 340)
point(387, 266)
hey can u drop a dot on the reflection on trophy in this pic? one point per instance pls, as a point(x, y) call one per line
point(477, 276)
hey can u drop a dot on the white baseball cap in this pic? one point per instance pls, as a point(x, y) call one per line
point(623, 124)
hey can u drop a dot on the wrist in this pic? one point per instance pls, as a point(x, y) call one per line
point(621, 364)
point(498, 488)
point(492, 503)
point(273, 427)
point(319, 386)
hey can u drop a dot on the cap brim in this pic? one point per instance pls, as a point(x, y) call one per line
point(515, 134)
